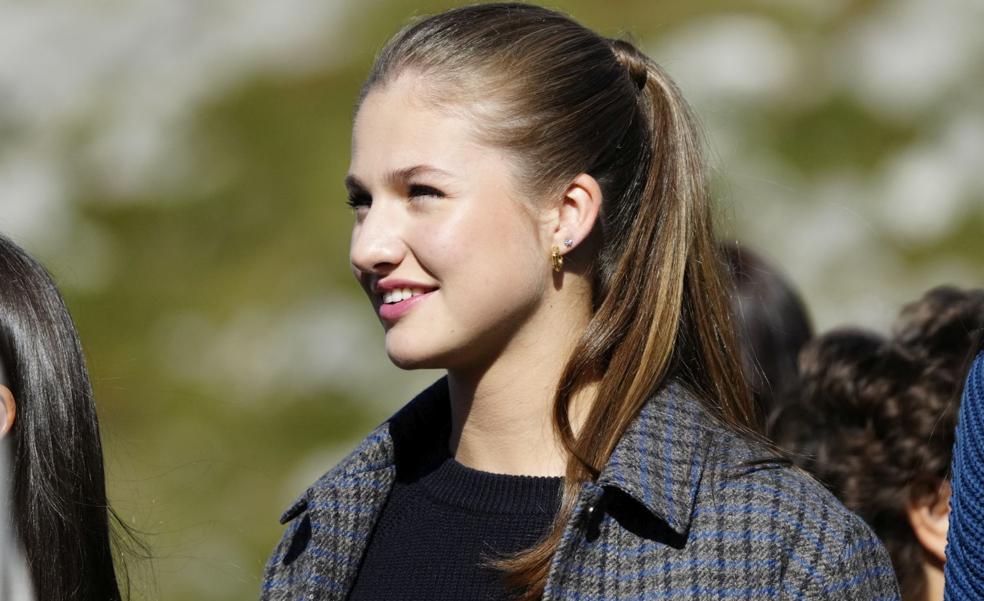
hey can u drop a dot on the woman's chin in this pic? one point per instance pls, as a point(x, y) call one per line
point(415, 358)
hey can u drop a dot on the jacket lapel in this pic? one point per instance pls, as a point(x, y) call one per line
point(335, 517)
point(342, 519)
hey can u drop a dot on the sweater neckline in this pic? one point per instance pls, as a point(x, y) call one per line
point(457, 485)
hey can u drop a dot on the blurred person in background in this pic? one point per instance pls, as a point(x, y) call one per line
point(874, 420)
point(61, 519)
point(531, 215)
point(964, 569)
point(772, 322)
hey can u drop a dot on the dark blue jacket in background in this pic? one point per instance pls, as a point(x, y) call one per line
point(964, 570)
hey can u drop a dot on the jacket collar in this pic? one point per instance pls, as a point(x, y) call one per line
point(391, 445)
point(658, 461)
point(660, 458)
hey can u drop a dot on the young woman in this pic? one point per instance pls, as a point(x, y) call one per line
point(48, 423)
point(875, 420)
point(531, 215)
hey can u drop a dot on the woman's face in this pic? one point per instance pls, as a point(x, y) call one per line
point(439, 215)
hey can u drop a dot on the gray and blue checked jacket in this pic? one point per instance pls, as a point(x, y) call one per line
point(684, 510)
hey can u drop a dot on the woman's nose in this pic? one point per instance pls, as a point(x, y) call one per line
point(376, 246)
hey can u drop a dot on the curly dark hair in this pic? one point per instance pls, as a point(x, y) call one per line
point(941, 327)
point(874, 416)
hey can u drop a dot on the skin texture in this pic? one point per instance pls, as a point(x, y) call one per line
point(929, 517)
point(499, 319)
point(8, 410)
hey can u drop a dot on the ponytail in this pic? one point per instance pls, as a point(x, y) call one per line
point(664, 311)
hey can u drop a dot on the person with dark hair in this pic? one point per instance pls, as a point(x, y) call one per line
point(874, 420)
point(772, 322)
point(531, 215)
point(48, 423)
point(964, 570)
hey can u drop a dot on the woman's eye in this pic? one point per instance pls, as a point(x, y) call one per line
point(421, 190)
point(358, 200)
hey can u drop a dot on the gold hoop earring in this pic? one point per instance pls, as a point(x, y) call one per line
point(557, 259)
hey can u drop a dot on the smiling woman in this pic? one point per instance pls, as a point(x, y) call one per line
point(450, 225)
point(531, 216)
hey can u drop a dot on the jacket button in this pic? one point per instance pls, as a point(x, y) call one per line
point(592, 521)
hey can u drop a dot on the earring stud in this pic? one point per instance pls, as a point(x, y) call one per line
point(568, 243)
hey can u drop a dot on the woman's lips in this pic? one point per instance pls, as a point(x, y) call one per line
point(393, 311)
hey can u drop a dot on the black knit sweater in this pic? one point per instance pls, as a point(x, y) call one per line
point(441, 525)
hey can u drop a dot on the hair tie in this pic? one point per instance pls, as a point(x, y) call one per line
point(632, 60)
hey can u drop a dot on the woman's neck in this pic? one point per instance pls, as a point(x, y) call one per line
point(502, 415)
point(933, 571)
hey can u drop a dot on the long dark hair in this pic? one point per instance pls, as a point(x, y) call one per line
point(60, 513)
point(564, 100)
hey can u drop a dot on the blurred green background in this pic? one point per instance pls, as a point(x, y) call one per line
point(178, 164)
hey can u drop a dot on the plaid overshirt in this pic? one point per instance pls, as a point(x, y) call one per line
point(685, 509)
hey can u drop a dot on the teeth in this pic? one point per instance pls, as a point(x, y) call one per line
point(400, 294)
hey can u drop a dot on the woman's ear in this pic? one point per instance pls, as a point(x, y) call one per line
point(8, 410)
point(929, 516)
point(577, 212)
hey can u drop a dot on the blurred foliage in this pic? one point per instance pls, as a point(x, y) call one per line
point(203, 455)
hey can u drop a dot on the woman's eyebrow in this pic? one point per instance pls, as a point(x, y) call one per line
point(401, 176)
point(398, 177)
point(352, 184)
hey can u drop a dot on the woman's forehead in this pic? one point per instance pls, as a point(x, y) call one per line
point(396, 132)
